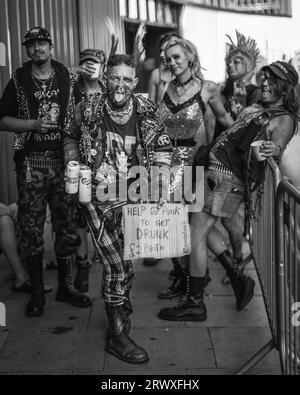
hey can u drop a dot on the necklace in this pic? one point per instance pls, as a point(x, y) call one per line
point(119, 114)
point(93, 97)
point(183, 83)
point(186, 90)
point(120, 117)
point(92, 101)
point(92, 92)
point(41, 85)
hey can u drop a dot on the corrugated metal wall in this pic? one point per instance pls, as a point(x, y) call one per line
point(92, 27)
point(60, 17)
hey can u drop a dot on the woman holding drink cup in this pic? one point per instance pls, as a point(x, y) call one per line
point(262, 149)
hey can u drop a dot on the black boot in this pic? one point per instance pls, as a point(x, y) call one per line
point(118, 342)
point(191, 307)
point(186, 262)
point(178, 286)
point(127, 313)
point(82, 278)
point(176, 271)
point(66, 291)
point(238, 261)
point(35, 307)
point(243, 286)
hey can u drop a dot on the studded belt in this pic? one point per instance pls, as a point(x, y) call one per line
point(46, 159)
point(218, 166)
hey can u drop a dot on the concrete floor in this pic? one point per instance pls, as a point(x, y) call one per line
point(67, 340)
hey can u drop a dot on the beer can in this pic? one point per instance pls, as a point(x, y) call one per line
point(54, 113)
point(72, 177)
point(85, 184)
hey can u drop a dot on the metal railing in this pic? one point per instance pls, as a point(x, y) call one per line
point(275, 247)
point(288, 267)
point(263, 249)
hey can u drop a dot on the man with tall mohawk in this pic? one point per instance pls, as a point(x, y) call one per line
point(238, 93)
point(124, 131)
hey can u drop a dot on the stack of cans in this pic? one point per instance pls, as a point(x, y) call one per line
point(79, 179)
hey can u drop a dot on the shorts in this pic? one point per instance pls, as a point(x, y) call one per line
point(223, 193)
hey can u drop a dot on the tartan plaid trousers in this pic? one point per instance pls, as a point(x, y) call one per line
point(118, 274)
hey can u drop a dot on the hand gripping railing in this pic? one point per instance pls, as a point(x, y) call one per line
point(288, 268)
point(263, 249)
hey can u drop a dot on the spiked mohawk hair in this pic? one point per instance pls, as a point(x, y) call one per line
point(139, 52)
point(247, 46)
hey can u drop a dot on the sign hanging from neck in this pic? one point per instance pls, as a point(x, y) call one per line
point(152, 231)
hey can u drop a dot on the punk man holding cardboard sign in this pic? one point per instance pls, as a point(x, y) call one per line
point(126, 132)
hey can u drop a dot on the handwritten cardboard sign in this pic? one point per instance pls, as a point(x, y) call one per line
point(153, 232)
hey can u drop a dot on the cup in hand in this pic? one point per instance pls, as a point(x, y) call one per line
point(96, 66)
point(257, 150)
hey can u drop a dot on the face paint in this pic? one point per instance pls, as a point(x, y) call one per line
point(121, 84)
point(119, 95)
point(271, 88)
point(237, 66)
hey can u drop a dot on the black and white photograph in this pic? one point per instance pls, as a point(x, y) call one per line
point(149, 190)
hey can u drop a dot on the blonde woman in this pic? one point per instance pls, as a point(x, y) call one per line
point(186, 108)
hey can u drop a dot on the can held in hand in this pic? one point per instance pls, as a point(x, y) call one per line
point(72, 177)
point(54, 112)
point(85, 184)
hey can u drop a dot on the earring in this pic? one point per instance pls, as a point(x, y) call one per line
point(190, 63)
